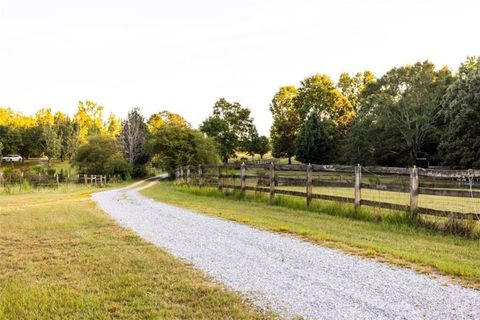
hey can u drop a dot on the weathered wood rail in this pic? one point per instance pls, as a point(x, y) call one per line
point(92, 179)
point(268, 184)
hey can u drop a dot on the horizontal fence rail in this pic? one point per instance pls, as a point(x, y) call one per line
point(269, 181)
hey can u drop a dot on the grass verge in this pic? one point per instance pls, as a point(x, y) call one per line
point(392, 239)
point(61, 258)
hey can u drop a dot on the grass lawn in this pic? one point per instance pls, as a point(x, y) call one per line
point(456, 204)
point(61, 258)
point(398, 243)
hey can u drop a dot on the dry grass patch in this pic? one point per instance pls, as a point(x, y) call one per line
point(61, 258)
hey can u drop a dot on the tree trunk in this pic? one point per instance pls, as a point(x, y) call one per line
point(289, 159)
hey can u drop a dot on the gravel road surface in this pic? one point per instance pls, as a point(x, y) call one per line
point(285, 275)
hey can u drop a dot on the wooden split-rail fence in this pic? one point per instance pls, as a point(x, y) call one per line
point(197, 175)
point(92, 179)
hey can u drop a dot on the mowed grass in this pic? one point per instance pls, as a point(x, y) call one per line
point(455, 204)
point(62, 258)
point(392, 240)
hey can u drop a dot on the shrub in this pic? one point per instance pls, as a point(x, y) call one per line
point(102, 155)
point(139, 171)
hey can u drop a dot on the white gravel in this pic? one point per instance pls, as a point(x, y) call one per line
point(289, 276)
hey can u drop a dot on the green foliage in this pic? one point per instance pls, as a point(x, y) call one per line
point(101, 155)
point(353, 87)
point(229, 125)
point(319, 94)
point(312, 142)
point(175, 145)
point(398, 116)
point(286, 122)
point(256, 144)
point(50, 142)
point(460, 146)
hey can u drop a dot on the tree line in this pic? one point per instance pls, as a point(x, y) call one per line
point(411, 113)
point(111, 146)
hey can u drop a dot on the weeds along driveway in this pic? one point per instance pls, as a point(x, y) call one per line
point(286, 275)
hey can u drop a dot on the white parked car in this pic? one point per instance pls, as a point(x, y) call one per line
point(12, 158)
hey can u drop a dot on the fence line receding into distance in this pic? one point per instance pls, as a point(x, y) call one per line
point(269, 180)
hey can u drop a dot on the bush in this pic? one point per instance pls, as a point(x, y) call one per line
point(139, 171)
point(118, 166)
point(102, 155)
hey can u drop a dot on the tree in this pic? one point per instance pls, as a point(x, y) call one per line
point(312, 142)
point(460, 141)
point(44, 117)
point(67, 131)
point(225, 139)
point(257, 144)
point(101, 155)
point(262, 146)
point(113, 126)
point(161, 118)
point(353, 87)
point(89, 119)
point(172, 145)
point(286, 123)
point(318, 94)
point(398, 117)
point(229, 126)
point(29, 141)
point(49, 142)
point(133, 135)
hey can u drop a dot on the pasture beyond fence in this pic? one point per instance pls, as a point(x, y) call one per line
point(391, 183)
point(49, 180)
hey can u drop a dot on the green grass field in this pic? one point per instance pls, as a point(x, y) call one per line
point(456, 204)
point(62, 258)
point(392, 240)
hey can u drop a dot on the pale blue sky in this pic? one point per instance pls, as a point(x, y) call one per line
point(183, 55)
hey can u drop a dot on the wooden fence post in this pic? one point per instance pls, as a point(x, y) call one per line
point(200, 176)
point(85, 178)
point(242, 178)
point(413, 192)
point(220, 178)
point(188, 175)
point(181, 175)
point(358, 185)
point(272, 181)
point(309, 184)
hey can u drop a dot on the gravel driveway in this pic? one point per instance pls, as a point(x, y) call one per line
point(289, 276)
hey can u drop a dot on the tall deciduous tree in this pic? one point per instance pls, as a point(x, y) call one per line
point(50, 143)
point(319, 94)
point(229, 126)
point(174, 145)
point(113, 126)
point(312, 142)
point(134, 132)
point(68, 132)
point(286, 122)
point(164, 117)
point(89, 118)
point(460, 144)
point(352, 87)
point(398, 121)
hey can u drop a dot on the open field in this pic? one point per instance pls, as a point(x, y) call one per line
point(62, 258)
point(344, 187)
point(391, 240)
